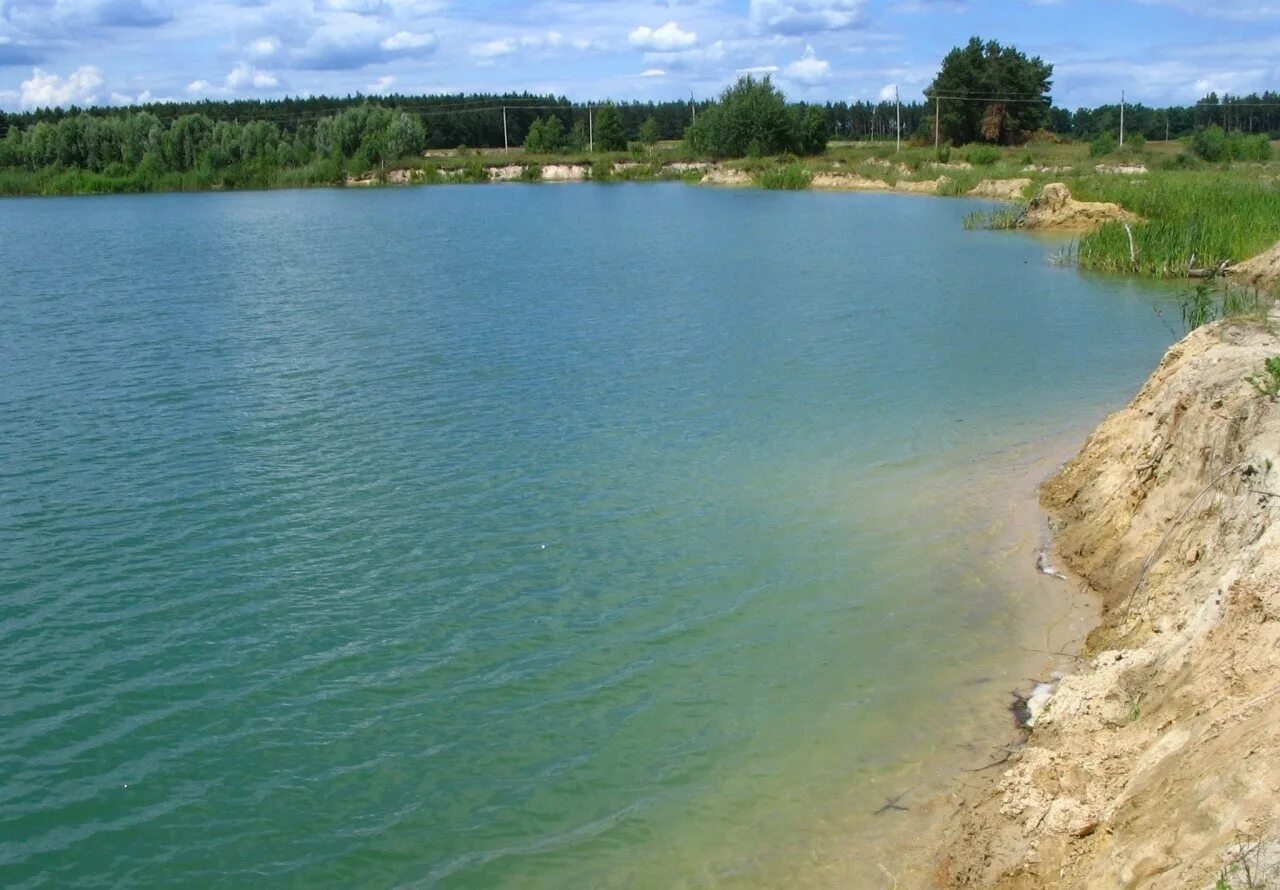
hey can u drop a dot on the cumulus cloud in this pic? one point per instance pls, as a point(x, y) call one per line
point(243, 77)
point(494, 49)
point(80, 87)
point(805, 16)
point(347, 48)
point(809, 69)
point(654, 72)
point(667, 38)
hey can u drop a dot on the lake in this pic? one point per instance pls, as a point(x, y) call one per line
point(541, 536)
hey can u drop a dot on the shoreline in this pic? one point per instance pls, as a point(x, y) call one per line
point(1154, 763)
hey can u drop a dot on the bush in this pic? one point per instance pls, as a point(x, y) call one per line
point(792, 177)
point(982, 155)
point(944, 154)
point(1210, 144)
point(752, 120)
point(1214, 145)
point(1137, 142)
point(1103, 145)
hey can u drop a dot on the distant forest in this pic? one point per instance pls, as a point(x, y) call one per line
point(476, 121)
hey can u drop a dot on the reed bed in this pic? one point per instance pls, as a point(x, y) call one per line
point(1190, 220)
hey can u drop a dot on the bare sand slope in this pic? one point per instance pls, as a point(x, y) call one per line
point(1152, 765)
point(1260, 271)
point(1055, 210)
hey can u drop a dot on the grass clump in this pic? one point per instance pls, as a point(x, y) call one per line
point(791, 177)
point(1268, 382)
point(982, 155)
point(1000, 219)
point(1208, 302)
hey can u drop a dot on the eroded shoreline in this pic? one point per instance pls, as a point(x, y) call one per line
point(1158, 763)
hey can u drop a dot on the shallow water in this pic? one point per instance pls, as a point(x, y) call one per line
point(512, 536)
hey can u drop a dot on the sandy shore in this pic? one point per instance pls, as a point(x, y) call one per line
point(1157, 762)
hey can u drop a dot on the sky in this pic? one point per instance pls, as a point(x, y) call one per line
point(61, 52)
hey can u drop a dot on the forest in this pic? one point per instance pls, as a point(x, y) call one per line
point(985, 92)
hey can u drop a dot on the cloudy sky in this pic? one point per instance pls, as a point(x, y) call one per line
point(121, 51)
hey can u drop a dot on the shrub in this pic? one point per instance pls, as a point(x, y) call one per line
point(1210, 144)
point(1137, 141)
point(944, 154)
point(1104, 144)
point(982, 155)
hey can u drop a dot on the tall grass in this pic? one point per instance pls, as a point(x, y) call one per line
point(791, 177)
point(1208, 217)
point(999, 219)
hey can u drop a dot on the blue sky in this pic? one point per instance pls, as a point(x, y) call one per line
point(122, 51)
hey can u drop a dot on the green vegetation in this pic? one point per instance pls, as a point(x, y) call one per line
point(546, 136)
point(752, 120)
point(1267, 383)
point(138, 152)
point(792, 177)
point(1002, 218)
point(1190, 220)
point(989, 69)
point(649, 132)
point(1215, 144)
point(982, 155)
point(1102, 145)
point(1208, 302)
point(608, 125)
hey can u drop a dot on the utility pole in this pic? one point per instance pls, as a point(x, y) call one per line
point(506, 146)
point(591, 131)
point(937, 123)
point(1122, 118)
point(694, 106)
point(1166, 125)
point(897, 99)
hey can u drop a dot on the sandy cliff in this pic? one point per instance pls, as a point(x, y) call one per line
point(1157, 764)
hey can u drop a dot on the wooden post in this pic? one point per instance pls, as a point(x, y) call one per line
point(897, 99)
point(1122, 118)
point(506, 146)
point(937, 123)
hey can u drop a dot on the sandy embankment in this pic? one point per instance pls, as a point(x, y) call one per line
point(1055, 210)
point(1157, 764)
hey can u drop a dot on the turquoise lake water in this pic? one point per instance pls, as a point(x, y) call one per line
point(509, 536)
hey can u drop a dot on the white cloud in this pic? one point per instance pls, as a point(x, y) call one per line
point(809, 69)
point(382, 84)
point(244, 75)
point(888, 92)
point(759, 69)
point(494, 49)
point(263, 47)
point(805, 16)
point(408, 40)
point(667, 38)
point(654, 72)
point(80, 87)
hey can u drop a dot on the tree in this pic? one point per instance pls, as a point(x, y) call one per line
point(992, 93)
point(546, 135)
point(609, 133)
point(751, 119)
point(811, 132)
point(649, 132)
